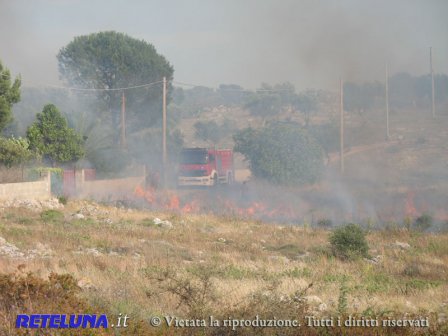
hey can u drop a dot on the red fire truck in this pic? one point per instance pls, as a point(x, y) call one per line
point(205, 167)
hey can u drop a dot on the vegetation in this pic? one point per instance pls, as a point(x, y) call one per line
point(423, 222)
point(349, 242)
point(212, 131)
point(281, 153)
point(9, 95)
point(124, 266)
point(51, 137)
point(112, 60)
point(14, 151)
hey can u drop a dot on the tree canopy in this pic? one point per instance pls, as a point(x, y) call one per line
point(281, 153)
point(9, 95)
point(14, 151)
point(51, 137)
point(111, 60)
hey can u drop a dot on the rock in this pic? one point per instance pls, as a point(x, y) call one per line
point(163, 223)
point(313, 299)
point(9, 250)
point(375, 260)
point(79, 216)
point(93, 251)
point(40, 251)
point(85, 283)
point(322, 307)
point(221, 240)
point(401, 245)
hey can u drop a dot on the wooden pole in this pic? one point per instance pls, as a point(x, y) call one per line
point(387, 102)
point(123, 121)
point(432, 84)
point(341, 108)
point(164, 155)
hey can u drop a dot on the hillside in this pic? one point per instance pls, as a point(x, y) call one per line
point(144, 264)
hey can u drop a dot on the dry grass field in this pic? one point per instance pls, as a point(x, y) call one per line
point(192, 266)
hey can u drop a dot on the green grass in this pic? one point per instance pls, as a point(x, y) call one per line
point(52, 216)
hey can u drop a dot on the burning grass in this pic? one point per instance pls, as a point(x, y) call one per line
point(125, 263)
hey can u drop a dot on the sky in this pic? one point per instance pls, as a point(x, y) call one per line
point(310, 43)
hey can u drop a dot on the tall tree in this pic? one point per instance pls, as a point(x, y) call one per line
point(9, 95)
point(51, 137)
point(110, 60)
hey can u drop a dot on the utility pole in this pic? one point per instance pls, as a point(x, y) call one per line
point(341, 135)
point(123, 121)
point(432, 83)
point(164, 156)
point(387, 102)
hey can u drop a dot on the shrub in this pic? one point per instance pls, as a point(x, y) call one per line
point(63, 199)
point(349, 242)
point(423, 222)
point(26, 294)
point(14, 152)
point(51, 216)
point(281, 153)
point(324, 223)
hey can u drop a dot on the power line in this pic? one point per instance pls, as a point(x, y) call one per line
point(100, 89)
point(87, 89)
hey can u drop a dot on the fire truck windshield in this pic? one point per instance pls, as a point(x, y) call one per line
point(194, 157)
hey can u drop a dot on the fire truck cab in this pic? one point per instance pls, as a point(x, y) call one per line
point(205, 167)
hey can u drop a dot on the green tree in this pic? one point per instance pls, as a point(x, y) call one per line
point(51, 137)
point(9, 95)
point(14, 151)
point(110, 60)
point(212, 131)
point(281, 153)
point(305, 102)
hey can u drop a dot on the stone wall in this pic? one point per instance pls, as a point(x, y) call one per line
point(108, 189)
point(39, 190)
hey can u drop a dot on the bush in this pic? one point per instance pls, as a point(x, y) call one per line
point(14, 152)
point(51, 216)
point(281, 153)
point(423, 222)
point(324, 223)
point(348, 242)
point(27, 294)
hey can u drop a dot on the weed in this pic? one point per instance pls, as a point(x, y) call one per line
point(51, 216)
point(290, 251)
point(411, 270)
point(63, 199)
point(342, 299)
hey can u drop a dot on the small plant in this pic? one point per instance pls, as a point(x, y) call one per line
point(423, 222)
point(349, 242)
point(324, 223)
point(411, 270)
point(342, 299)
point(63, 199)
point(407, 223)
point(51, 216)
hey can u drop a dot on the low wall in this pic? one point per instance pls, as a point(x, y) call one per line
point(39, 190)
point(108, 189)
